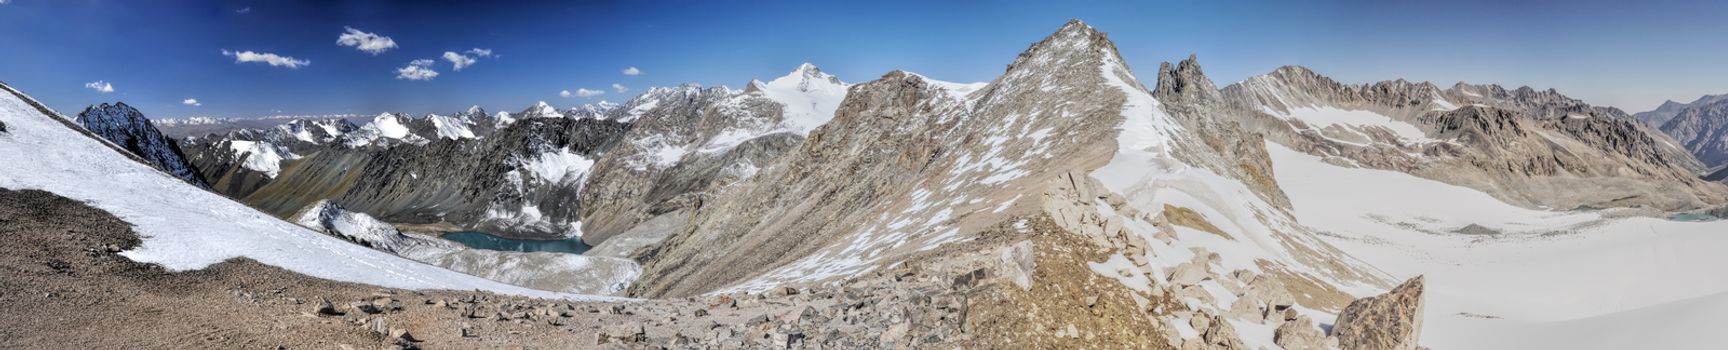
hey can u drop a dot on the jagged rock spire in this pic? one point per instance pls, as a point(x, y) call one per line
point(1185, 82)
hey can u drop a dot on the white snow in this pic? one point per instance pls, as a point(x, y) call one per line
point(809, 95)
point(656, 152)
point(1146, 132)
point(543, 110)
point(355, 226)
point(263, 157)
point(454, 128)
point(1441, 104)
point(559, 167)
point(1574, 280)
point(186, 228)
point(1322, 117)
point(636, 112)
point(389, 126)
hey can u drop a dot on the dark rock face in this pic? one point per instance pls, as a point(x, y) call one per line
point(1703, 130)
point(464, 171)
point(128, 128)
point(484, 184)
point(1383, 322)
point(1185, 82)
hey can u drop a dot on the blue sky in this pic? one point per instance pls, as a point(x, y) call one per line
point(157, 54)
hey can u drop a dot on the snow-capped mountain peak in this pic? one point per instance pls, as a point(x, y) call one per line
point(542, 109)
point(591, 110)
point(474, 112)
point(809, 95)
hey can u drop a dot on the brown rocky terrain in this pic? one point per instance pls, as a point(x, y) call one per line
point(61, 256)
point(1534, 148)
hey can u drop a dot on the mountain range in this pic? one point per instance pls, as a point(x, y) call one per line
point(1065, 204)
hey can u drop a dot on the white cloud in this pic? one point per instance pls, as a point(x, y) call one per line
point(371, 43)
point(241, 10)
point(420, 69)
point(273, 60)
point(3, 2)
point(619, 88)
point(458, 61)
point(583, 93)
point(191, 102)
point(632, 71)
point(100, 86)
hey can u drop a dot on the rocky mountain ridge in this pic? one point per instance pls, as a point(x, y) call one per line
point(1703, 130)
point(1665, 112)
point(1532, 147)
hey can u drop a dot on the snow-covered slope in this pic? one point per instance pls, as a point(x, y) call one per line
point(385, 126)
point(1505, 277)
point(452, 127)
point(261, 156)
point(184, 227)
point(808, 96)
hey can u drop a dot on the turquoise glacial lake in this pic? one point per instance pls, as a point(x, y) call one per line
point(481, 240)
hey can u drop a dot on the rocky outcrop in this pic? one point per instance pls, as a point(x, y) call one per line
point(1391, 321)
point(128, 128)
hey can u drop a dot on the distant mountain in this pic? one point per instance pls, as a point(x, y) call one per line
point(1703, 130)
point(686, 140)
point(199, 126)
point(1534, 148)
point(463, 171)
point(1662, 114)
point(128, 128)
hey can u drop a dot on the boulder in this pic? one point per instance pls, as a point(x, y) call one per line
point(1018, 264)
point(365, 307)
point(1391, 321)
point(1299, 334)
point(1222, 335)
point(326, 309)
point(1188, 274)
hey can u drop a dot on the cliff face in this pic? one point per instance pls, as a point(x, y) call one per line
point(128, 128)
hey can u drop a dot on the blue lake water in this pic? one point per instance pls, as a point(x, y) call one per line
point(481, 240)
point(1693, 217)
